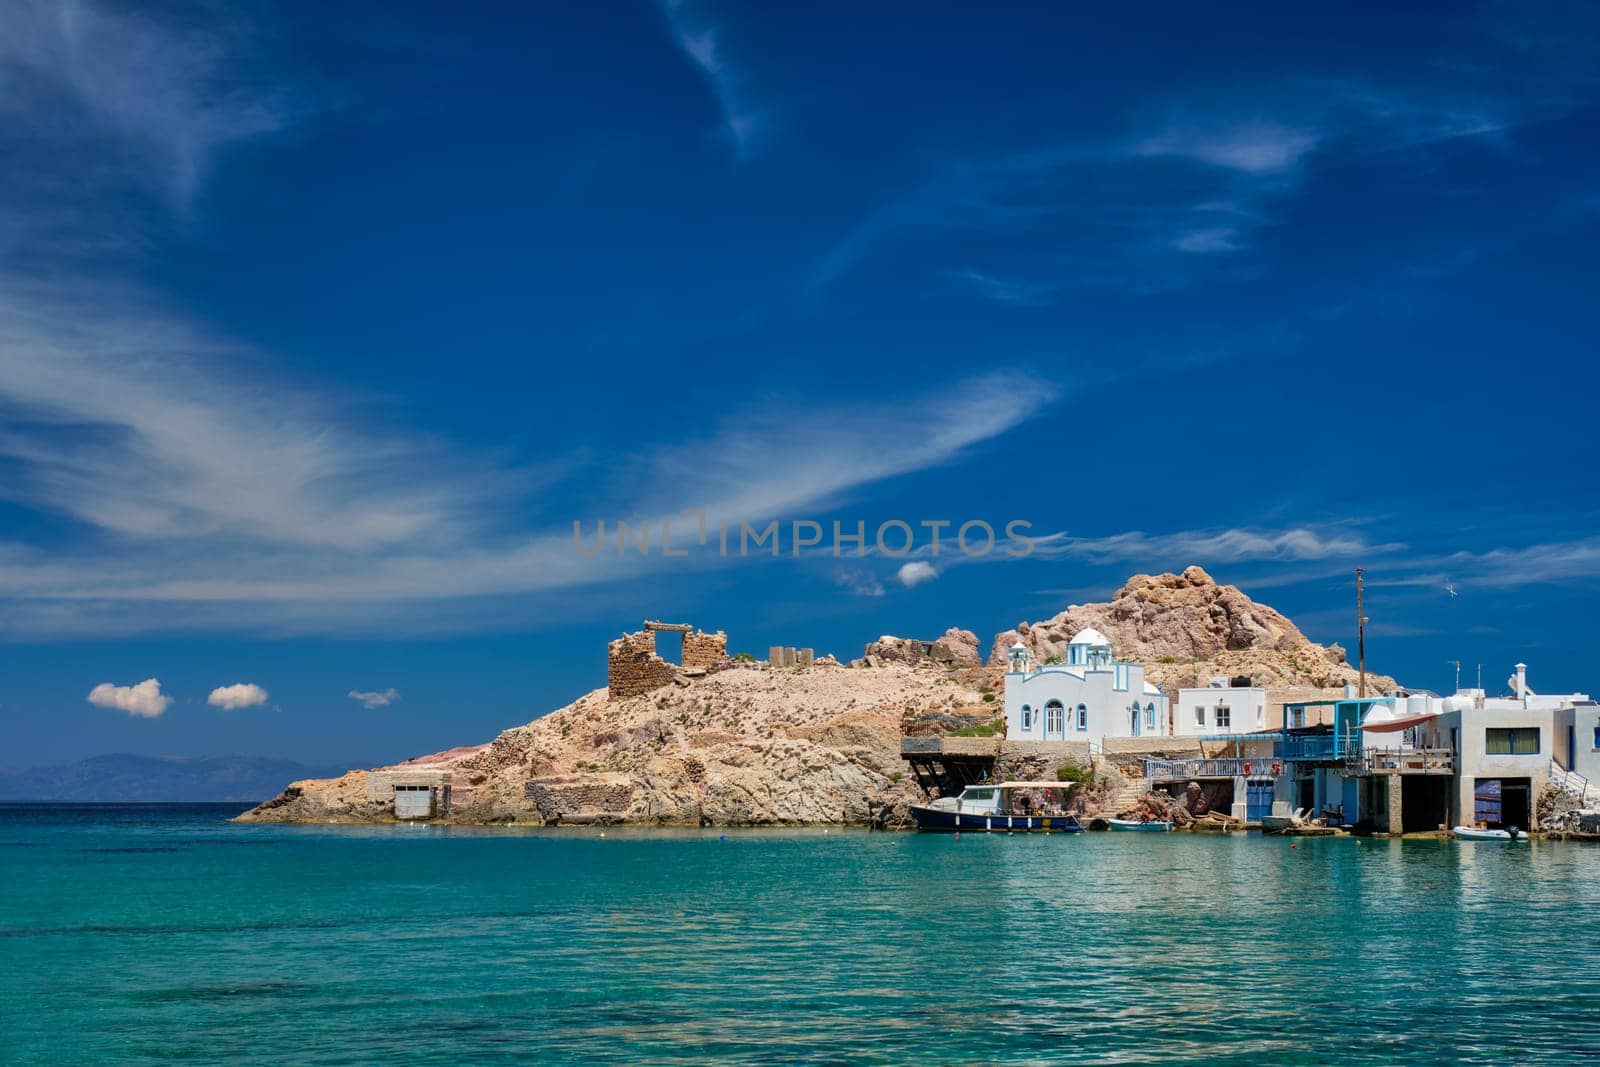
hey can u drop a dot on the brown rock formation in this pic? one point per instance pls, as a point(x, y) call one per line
point(1187, 628)
point(743, 746)
point(958, 648)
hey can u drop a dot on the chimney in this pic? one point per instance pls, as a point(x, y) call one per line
point(1522, 683)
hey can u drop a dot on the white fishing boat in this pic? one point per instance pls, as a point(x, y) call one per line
point(1472, 833)
point(1138, 826)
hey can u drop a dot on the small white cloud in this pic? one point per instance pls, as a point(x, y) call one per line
point(374, 700)
point(915, 573)
point(858, 582)
point(143, 700)
point(1209, 239)
point(234, 697)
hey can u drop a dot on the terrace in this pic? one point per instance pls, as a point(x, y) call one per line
point(1337, 741)
point(1401, 761)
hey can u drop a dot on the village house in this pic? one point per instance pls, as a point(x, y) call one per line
point(1223, 707)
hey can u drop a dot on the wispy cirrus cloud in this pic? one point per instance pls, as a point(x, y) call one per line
point(135, 423)
point(1162, 205)
point(1208, 239)
point(1574, 561)
point(857, 582)
point(185, 477)
point(1218, 546)
point(1007, 291)
point(702, 41)
point(1251, 146)
point(372, 700)
point(169, 90)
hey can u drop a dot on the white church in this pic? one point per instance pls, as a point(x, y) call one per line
point(1089, 697)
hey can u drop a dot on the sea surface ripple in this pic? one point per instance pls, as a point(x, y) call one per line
point(139, 934)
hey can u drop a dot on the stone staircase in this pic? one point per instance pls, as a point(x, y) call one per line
point(1576, 784)
point(1128, 786)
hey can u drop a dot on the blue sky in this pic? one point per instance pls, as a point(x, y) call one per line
point(319, 327)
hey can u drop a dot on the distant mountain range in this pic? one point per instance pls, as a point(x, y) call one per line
point(156, 779)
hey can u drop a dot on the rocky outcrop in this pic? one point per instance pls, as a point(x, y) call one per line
point(1186, 629)
point(958, 648)
point(745, 746)
point(903, 650)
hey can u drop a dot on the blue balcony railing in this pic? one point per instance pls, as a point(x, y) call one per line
point(1318, 747)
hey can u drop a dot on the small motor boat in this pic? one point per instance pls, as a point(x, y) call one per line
point(991, 808)
point(1138, 827)
point(1472, 833)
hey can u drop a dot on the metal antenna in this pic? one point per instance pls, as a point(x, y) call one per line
point(1458, 672)
point(1361, 637)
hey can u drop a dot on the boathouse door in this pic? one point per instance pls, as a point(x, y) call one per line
point(1258, 794)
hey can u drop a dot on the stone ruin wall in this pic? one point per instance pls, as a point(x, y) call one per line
point(784, 656)
point(576, 800)
point(633, 666)
point(705, 651)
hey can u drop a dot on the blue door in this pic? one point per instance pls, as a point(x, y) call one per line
point(1258, 795)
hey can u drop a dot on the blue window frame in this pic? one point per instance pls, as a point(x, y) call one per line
point(1083, 717)
point(1027, 717)
point(1149, 716)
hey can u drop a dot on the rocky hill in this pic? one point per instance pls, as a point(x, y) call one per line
point(1186, 628)
point(749, 743)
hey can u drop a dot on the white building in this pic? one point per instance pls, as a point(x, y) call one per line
point(1578, 741)
point(1220, 708)
point(1504, 748)
point(1089, 697)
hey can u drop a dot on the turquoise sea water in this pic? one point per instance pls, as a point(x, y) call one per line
point(138, 934)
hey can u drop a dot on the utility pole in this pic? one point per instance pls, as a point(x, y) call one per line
point(1361, 637)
